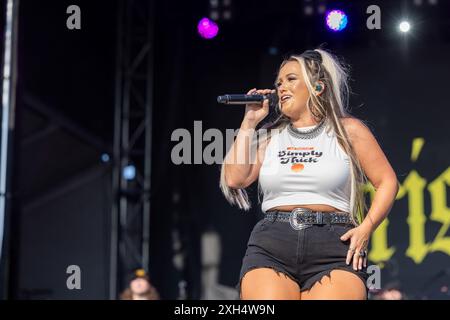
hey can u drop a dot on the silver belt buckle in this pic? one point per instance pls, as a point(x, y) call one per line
point(319, 217)
point(293, 221)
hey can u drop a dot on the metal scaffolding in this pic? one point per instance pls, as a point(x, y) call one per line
point(9, 79)
point(130, 223)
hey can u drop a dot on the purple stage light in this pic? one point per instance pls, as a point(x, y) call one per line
point(336, 20)
point(207, 28)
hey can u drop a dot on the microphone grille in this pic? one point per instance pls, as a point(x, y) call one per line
point(222, 99)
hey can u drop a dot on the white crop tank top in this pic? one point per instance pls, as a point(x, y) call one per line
point(313, 169)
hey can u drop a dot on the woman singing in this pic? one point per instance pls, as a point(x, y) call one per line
point(311, 167)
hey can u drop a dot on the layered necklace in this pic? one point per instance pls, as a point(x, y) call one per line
point(306, 134)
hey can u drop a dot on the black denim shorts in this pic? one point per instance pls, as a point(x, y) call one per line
point(305, 255)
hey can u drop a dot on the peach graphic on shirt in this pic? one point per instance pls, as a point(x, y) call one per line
point(297, 167)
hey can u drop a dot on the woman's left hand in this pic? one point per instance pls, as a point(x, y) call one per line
point(357, 252)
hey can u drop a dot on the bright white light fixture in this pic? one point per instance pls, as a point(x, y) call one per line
point(404, 26)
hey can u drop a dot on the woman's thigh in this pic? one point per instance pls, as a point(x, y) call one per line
point(268, 284)
point(340, 285)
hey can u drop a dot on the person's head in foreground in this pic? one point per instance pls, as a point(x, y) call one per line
point(140, 288)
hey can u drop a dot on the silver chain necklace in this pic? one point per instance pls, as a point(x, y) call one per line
point(307, 134)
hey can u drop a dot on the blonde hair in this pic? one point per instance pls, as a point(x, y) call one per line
point(331, 105)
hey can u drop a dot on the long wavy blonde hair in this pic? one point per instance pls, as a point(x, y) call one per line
point(332, 104)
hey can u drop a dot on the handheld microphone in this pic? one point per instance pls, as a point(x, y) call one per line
point(248, 98)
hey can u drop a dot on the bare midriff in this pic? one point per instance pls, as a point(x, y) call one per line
point(314, 207)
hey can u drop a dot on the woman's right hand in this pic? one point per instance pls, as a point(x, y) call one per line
point(256, 112)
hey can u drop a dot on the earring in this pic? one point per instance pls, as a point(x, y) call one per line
point(318, 87)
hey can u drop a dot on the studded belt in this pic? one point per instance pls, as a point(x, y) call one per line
point(303, 216)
